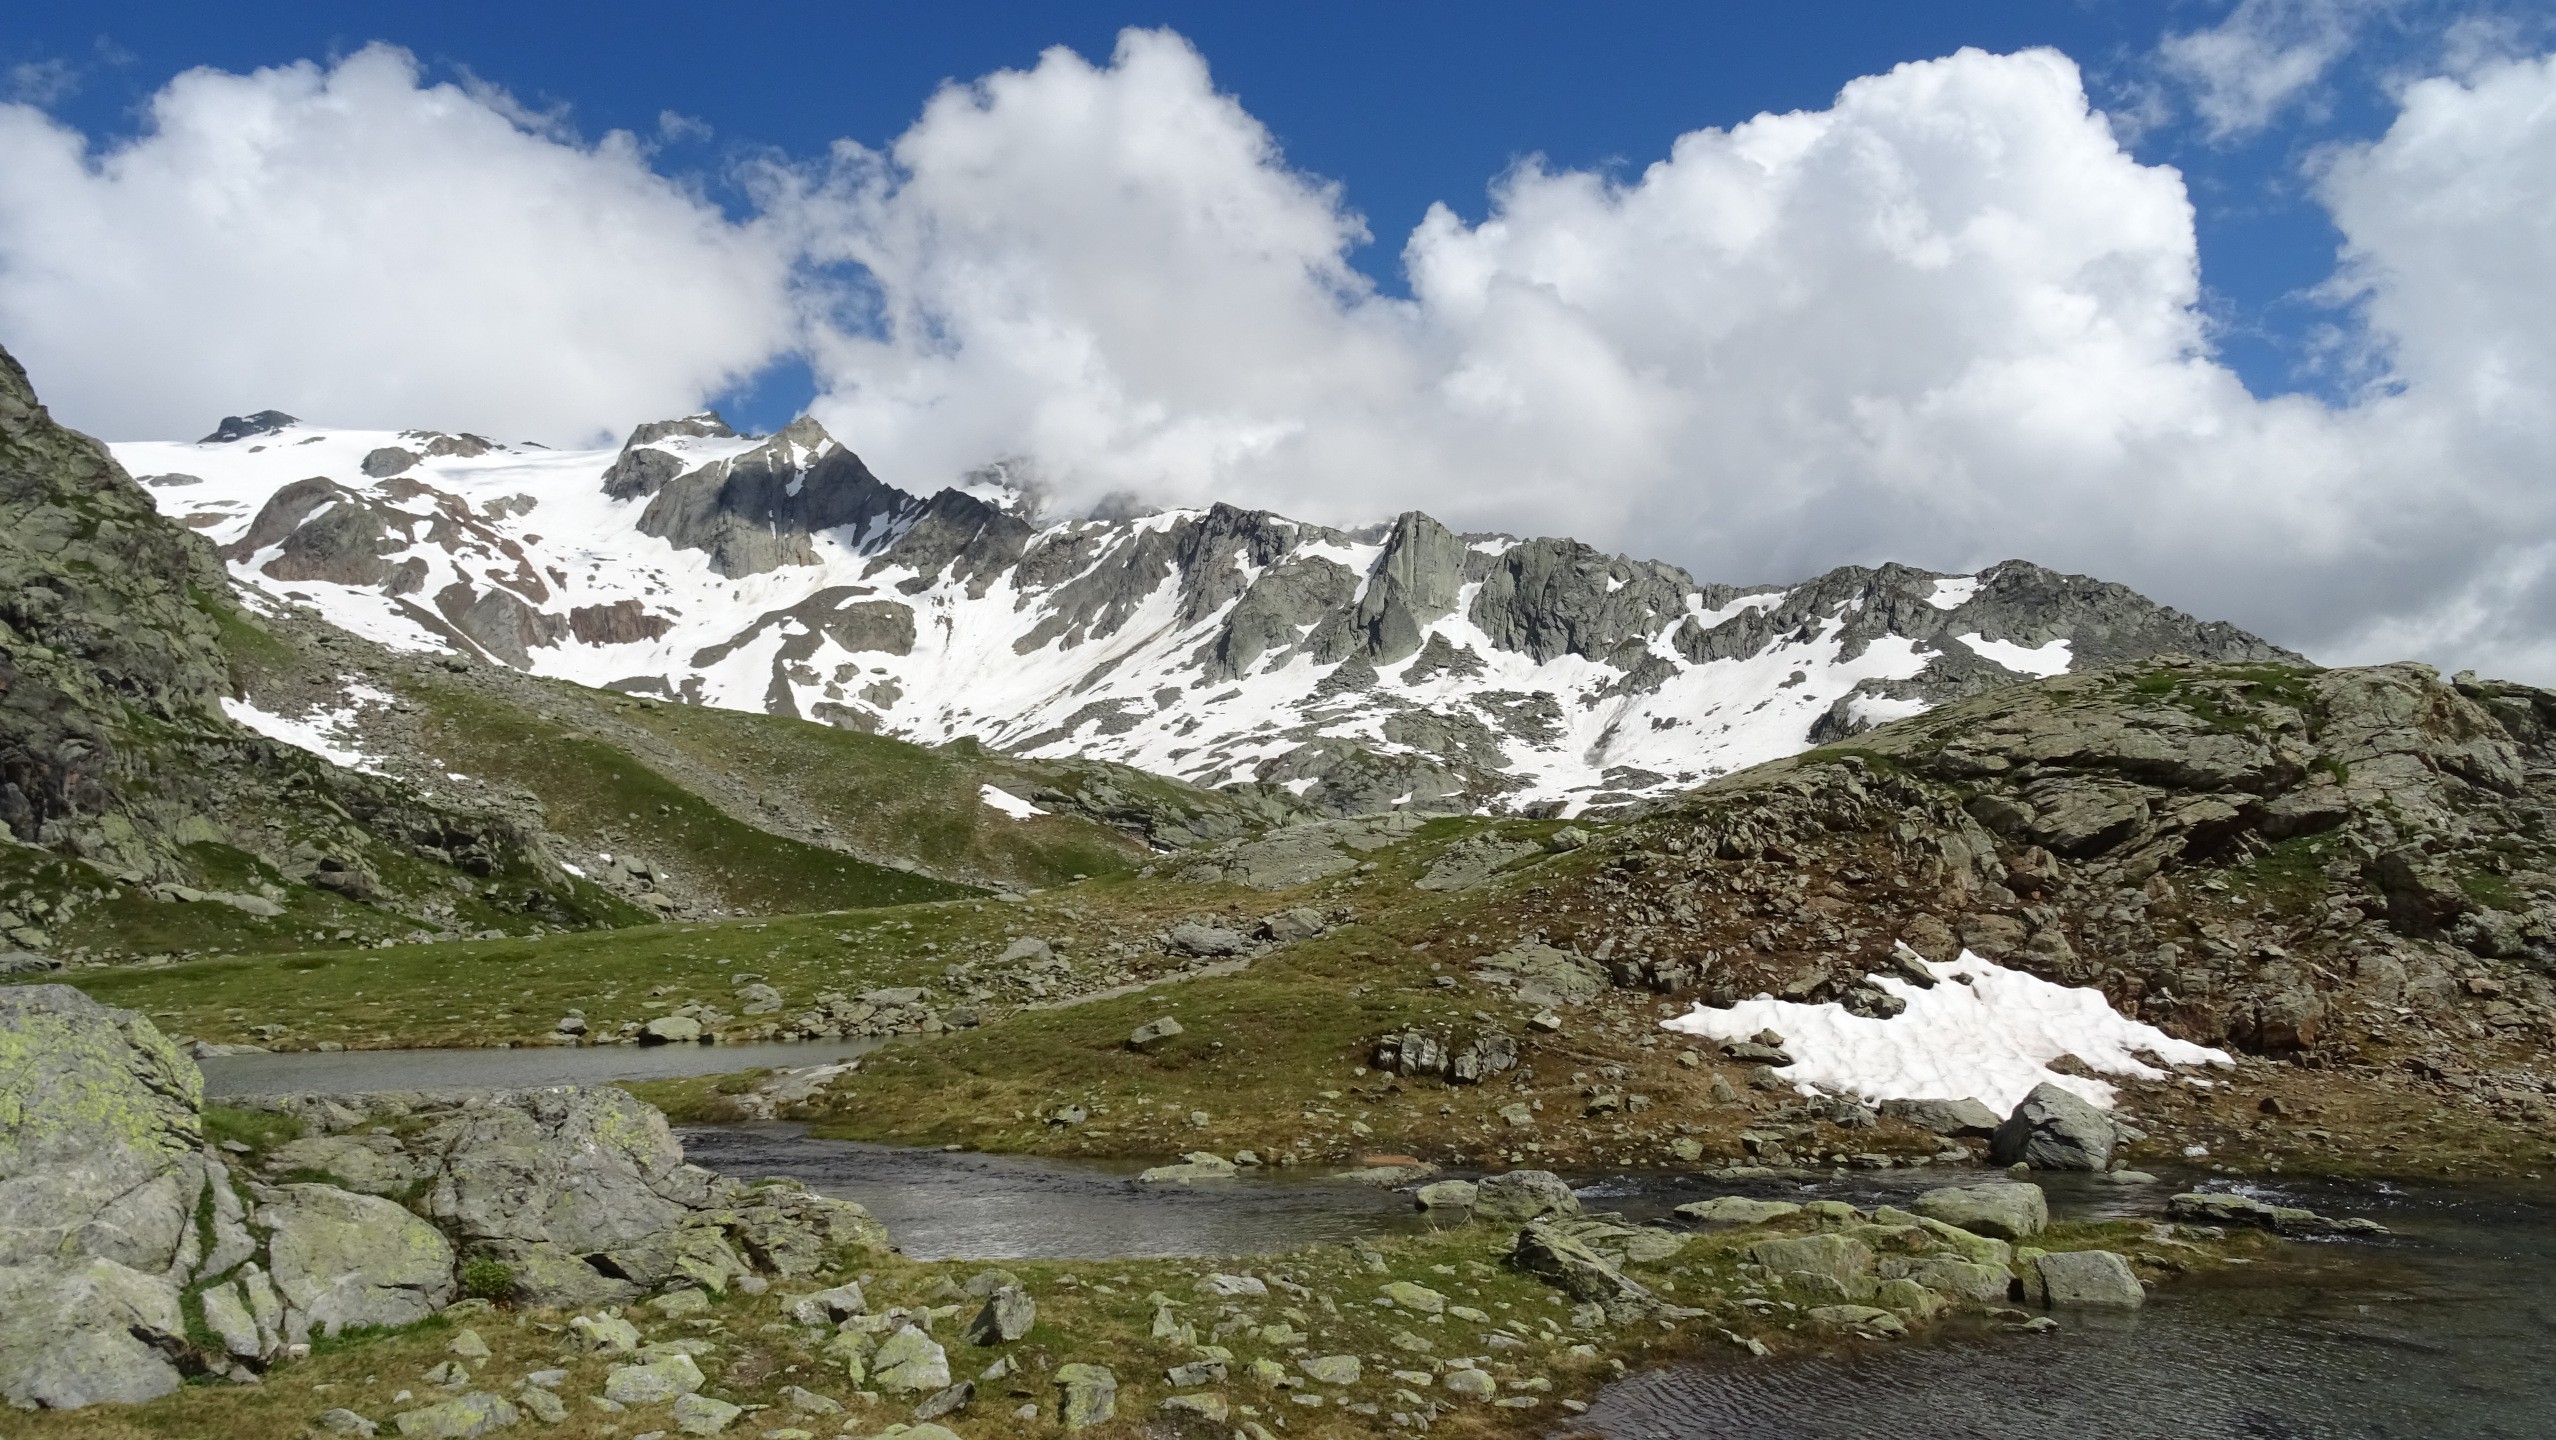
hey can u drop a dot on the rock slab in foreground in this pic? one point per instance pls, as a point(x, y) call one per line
point(2004, 1210)
point(100, 1173)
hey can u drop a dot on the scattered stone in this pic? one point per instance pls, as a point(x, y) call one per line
point(1408, 1296)
point(342, 1421)
point(910, 1362)
point(1153, 1032)
point(1470, 1383)
point(2213, 1208)
point(1193, 939)
point(1836, 1265)
point(1087, 1395)
point(1195, 1166)
point(549, 1409)
point(1008, 1315)
point(825, 1307)
point(1737, 1210)
point(702, 1415)
point(808, 1402)
point(946, 1402)
point(468, 1345)
point(1567, 1263)
point(1211, 1408)
point(1196, 1373)
point(605, 1334)
point(654, 1382)
point(1865, 1318)
point(1230, 1285)
point(1332, 1369)
point(464, 1417)
point(670, 1030)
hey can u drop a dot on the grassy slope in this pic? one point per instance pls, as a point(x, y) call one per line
point(598, 795)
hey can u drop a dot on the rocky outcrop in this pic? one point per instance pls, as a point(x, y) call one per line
point(115, 1219)
point(114, 746)
point(100, 1173)
point(756, 511)
point(242, 427)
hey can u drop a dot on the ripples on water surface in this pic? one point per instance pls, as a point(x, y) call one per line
point(939, 1204)
point(2447, 1332)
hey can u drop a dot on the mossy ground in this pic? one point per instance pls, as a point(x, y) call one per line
point(1102, 1312)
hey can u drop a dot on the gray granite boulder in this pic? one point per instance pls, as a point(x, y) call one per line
point(100, 1174)
point(2003, 1210)
point(2053, 1129)
point(341, 1259)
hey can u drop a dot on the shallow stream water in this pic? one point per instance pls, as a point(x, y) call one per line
point(2446, 1330)
point(348, 1071)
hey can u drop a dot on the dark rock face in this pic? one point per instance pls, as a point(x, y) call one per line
point(241, 427)
point(755, 512)
point(95, 619)
point(325, 531)
point(623, 622)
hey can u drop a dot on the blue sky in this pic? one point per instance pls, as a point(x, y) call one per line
point(2240, 302)
point(1404, 105)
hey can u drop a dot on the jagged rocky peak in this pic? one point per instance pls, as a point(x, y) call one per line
point(755, 510)
point(1398, 666)
point(241, 427)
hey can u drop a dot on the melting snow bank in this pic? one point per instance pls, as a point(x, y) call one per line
point(1983, 1032)
point(1007, 802)
point(324, 733)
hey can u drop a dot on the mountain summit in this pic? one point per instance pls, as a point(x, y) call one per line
point(1402, 665)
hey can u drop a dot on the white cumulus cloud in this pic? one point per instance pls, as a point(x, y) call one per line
point(2266, 56)
point(1946, 319)
point(348, 243)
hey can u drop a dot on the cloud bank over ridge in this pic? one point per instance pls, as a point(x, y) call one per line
point(1946, 320)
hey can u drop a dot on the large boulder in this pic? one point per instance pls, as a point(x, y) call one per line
point(1568, 1264)
point(544, 1179)
point(2053, 1129)
point(2004, 1210)
point(343, 1259)
point(100, 1174)
point(2087, 1277)
point(1514, 1197)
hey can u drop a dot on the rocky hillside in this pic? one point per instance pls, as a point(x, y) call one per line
point(694, 812)
point(132, 1254)
point(1356, 670)
point(126, 790)
point(2349, 868)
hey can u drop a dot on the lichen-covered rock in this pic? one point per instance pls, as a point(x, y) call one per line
point(1571, 1266)
point(99, 1181)
point(654, 1382)
point(910, 1362)
point(1835, 1265)
point(1086, 1395)
point(1514, 1197)
point(464, 1417)
point(2087, 1277)
point(340, 1259)
point(2003, 1210)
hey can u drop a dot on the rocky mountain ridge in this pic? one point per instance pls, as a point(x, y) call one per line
point(125, 784)
point(1402, 665)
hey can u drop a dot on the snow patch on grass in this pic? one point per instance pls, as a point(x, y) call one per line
point(1982, 1032)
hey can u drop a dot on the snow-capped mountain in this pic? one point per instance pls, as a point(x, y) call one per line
point(1402, 665)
